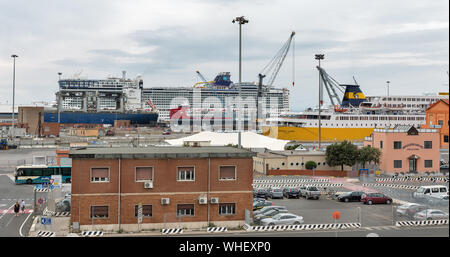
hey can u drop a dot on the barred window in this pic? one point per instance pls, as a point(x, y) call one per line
point(397, 144)
point(147, 211)
point(428, 163)
point(227, 209)
point(428, 144)
point(99, 212)
point(185, 209)
point(397, 164)
point(186, 174)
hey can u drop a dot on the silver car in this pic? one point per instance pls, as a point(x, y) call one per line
point(431, 214)
point(276, 193)
point(403, 209)
point(268, 214)
point(282, 219)
point(268, 208)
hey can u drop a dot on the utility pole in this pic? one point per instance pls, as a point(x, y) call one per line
point(59, 101)
point(388, 82)
point(320, 57)
point(241, 20)
point(14, 56)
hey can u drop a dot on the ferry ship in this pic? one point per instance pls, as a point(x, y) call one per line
point(353, 120)
point(88, 101)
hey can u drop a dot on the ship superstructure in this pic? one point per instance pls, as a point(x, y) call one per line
point(100, 101)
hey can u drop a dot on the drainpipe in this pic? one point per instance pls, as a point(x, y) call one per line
point(120, 165)
point(209, 186)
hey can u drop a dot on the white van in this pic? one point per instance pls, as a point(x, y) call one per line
point(437, 191)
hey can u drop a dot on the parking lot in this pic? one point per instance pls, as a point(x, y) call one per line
point(320, 211)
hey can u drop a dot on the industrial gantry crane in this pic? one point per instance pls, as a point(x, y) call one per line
point(273, 68)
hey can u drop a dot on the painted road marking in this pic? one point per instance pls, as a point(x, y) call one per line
point(9, 211)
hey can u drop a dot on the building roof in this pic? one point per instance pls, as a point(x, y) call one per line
point(160, 152)
point(248, 140)
point(446, 101)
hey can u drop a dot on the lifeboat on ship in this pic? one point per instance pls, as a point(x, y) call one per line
point(337, 108)
point(370, 106)
point(399, 107)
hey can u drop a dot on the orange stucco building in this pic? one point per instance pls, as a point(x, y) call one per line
point(406, 149)
point(437, 118)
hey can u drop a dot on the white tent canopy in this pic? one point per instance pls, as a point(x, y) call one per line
point(248, 140)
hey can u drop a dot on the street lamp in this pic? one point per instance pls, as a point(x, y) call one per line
point(320, 57)
point(241, 20)
point(59, 101)
point(14, 56)
point(388, 82)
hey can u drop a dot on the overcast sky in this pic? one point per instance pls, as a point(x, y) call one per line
point(405, 42)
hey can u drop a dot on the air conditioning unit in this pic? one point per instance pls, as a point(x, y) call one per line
point(214, 200)
point(148, 184)
point(202, 200)
point(165, 201)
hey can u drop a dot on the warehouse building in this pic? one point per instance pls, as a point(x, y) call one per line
point(175, 187)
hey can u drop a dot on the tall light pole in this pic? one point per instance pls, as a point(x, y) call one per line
point(388, 82)
point(59, 101)
point(320, 57)
point(14, 56)
point(241, 20)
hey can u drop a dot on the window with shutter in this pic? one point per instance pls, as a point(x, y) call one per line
point(99, 174)
point(186, 174)
point(144, 173)
point(227, 172)
point(185, 210)
point(99, 212)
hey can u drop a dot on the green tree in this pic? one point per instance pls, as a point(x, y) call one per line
point(368, 154)
point(309, 165)
point(340, 154)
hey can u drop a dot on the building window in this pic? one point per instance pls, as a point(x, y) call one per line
point(99, 174)
point(381, 144)
point(440, 122)
point(185, 209)
point(428, 163)
point(147, 211)
point(99, 212)
point(445, 138)
point(144, 174)
point(428, 144)
point(227, 172)
point(397, 164)
point(186, 174)
point(227, 209)
point(397, 144)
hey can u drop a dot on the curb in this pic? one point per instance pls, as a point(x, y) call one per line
point(302, 227)
point(216, 229)
point(421, 223)
point(166, 231)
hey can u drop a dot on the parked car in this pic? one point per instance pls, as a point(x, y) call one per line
point(375, 198)
point(275, 193)
point(261, 204)
point(261, 193)
point(424, 192)
point(431, 214)
point(442, 200)
point(291, 193)
point(312, 192)
point(256, 199)
point(302, 191)
point(282, 219)
point(268, 214)
point(351, 196)
point(410, 209)
point(268, 208)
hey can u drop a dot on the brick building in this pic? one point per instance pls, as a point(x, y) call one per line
point(177, 187)
point(437, 118)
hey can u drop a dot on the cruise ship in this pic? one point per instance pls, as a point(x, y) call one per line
point(89, 101)
point(166, 99)
point(354, 119)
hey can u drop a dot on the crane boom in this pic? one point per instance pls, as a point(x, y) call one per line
point(275, 64)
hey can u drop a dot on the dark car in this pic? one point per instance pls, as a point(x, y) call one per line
point(291, 193)
point(261, 204)
point(354, 196)
point(375, 198)
point(260, 193)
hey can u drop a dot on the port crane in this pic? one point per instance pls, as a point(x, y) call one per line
point(208, 84)
point(331, 85)
point(273, 67)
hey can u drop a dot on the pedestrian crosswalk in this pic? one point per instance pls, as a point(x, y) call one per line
point(11, 211)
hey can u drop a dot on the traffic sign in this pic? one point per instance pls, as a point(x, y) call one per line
point(336, 215)
point(40, 201)
point(45, 184)
point(140, 213)
point(46, 221)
